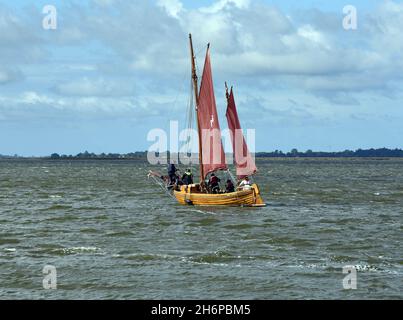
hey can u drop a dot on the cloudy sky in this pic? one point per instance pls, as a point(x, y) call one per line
point(114, 69)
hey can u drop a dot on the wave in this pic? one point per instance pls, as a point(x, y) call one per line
point(77, 250)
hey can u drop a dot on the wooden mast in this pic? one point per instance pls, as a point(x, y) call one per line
point(196, 93)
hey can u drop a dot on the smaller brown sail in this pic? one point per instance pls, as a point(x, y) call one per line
point(245, 164)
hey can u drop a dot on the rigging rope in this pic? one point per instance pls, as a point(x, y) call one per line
point(162, 185)
point(182, 89)
point(189, 121)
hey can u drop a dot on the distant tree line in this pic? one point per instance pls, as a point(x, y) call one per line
point(360, 153)
point(9, 157)
point(88, 155)
point(294, 153)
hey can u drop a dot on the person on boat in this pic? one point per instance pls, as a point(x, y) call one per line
point(245, 184)
point(187, 177)
point(229, 187)
point(173, 177)
point(214, 183)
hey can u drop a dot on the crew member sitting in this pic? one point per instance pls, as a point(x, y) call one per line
point(245, 184)
point(213, 183)
point(229, 187)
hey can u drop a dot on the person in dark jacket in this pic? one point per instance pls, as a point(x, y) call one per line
point(229, 187)
point(173, 178)
point(213, 183)
point(187, 177)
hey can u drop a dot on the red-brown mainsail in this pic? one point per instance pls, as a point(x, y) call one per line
point(209, 127)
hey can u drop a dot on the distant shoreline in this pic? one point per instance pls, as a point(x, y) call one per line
point(258, 159)
point(381, 153)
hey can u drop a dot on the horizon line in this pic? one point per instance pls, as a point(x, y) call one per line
point(277, 152)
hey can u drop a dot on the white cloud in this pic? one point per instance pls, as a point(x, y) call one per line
point(19, 42)
point(32, 97)
point(220, 5)
point(7, 75)
point(95, 87)
point(250, 39)
point(172, 7)
point(36, 105)
point(309, 33)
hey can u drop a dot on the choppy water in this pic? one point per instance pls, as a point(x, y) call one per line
point(111, 235)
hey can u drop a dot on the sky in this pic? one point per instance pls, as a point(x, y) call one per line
point(113, 70)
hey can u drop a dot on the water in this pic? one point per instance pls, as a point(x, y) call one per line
point(112, 235)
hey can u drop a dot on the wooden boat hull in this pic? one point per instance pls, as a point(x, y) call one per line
point(188, 195)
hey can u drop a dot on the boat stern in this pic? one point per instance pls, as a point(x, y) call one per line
point(258, 198)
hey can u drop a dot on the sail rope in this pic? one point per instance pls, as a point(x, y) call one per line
point(182, 84)
point(189, 121)
point(158, 181)
point(190, 118)
point(234, 181)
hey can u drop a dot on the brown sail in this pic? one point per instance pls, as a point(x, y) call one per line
point(245, 165)
point(209, 127)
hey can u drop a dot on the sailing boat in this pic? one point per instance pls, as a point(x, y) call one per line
point(211, 151)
